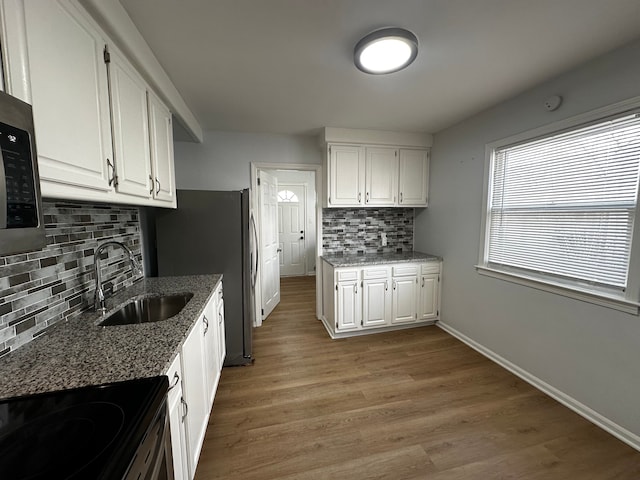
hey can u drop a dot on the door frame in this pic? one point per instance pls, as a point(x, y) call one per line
point(304, 187)
point(256, 167)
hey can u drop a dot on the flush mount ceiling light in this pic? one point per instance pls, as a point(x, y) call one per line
point(386, 51)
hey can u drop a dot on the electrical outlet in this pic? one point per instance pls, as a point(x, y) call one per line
point(383, 236)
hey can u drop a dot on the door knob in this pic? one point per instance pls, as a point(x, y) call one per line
point(301, 238)
point(301, 231)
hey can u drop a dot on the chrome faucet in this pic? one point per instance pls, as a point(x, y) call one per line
point(98, 296)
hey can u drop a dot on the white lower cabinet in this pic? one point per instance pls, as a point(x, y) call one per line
point(193, 380)
point(374, 298)
point(177, 415)
point(428, 305)
point(195, 393)
point(222, 345)
point(405, 294)
point(348, 303)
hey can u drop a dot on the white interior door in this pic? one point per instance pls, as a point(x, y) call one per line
point(270, 278)
point(291, 229)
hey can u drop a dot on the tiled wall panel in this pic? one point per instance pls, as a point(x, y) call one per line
point(353, 231)
point(38, 289)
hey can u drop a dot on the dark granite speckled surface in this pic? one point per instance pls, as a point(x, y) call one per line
point(378, 259)
point(79, 352)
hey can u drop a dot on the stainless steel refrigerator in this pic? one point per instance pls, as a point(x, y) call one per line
point(213, 232)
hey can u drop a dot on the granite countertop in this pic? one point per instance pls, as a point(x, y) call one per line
point(378, 259)
point(78, 352)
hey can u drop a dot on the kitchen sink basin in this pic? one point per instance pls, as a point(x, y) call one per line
point(148, 309)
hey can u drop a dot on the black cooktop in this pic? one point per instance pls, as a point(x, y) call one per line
point(84, 433)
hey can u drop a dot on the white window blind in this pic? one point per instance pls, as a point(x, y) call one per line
point(564, 205)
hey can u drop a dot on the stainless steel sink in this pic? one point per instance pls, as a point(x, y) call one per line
point(148, 309)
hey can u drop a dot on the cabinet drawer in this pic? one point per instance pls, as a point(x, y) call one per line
point(175, 377)
point(405, 270)
point(432, 267)
point(343, 275)
point(379, 272)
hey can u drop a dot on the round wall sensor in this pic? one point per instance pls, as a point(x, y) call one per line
point(552, 103)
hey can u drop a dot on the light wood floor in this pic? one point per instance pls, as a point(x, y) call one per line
point(414, 404)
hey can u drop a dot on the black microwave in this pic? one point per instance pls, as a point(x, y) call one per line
point(21, 221)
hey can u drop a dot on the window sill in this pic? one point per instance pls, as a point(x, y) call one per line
point(599, 298)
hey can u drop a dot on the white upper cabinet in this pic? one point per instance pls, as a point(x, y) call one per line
point(64, 78)
point(98, 136)
point(130, 128)
point(346, 175)
point(413, 177)
point(376, 176)
point(161, 142)
point(381, 176)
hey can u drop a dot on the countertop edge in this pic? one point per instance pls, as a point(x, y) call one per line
point(338, 261)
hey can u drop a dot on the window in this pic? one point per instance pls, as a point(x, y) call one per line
point(287, 196)
point(561, 206)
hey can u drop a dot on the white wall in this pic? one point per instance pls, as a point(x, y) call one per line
point(222, 161)
point(589, 353)
point(308, 179)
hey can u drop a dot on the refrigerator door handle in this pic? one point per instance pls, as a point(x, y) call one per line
point(254, 273)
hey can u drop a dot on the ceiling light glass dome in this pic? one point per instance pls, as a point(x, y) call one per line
point(386, 51)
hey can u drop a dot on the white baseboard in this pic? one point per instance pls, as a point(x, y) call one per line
point(594, 417)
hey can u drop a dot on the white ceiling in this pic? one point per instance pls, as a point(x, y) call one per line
point(285, 66)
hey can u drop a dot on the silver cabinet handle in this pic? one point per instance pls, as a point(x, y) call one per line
point(359, 197)
point(422, 282)
point(356, 288)
point(151, 189)
point(157, 186)
point(401, 197)
point(386, 285)
point(113, 180)
point(206, 324)
point(367, 198)
point(186, 408)
point(176, 380)
point(394, 284)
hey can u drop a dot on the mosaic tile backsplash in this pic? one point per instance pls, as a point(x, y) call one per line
point(40, 288)
point(353, 231)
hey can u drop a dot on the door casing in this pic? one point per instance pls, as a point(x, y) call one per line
point(256, 167)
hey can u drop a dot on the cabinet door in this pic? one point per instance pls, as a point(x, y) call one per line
point(66, 79)
point(414, 177)
point(194, 391)
point(176, 401)
point(161, 142)
point(381, 176)
point(222, 345)
point(130, 128)
point(428, 301)
point(346, 175)
point(376, 302)
point(404, 299)
point(348, 306)
point(211, 358)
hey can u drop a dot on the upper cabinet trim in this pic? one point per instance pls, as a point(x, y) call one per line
point(375, 137)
